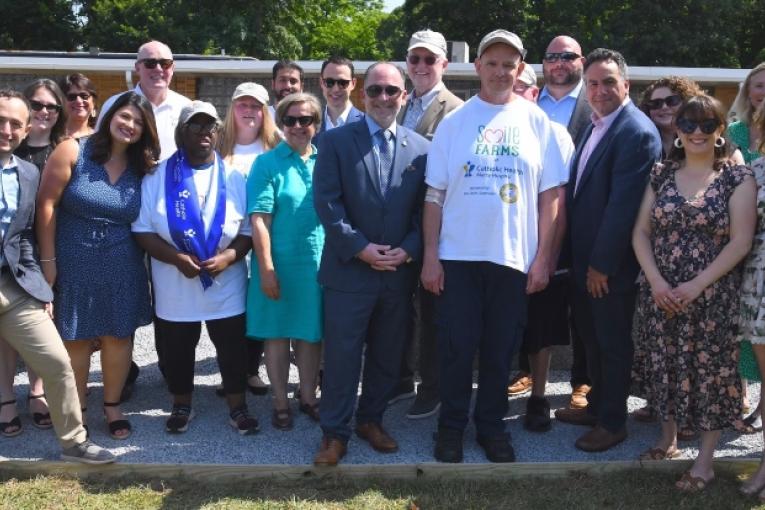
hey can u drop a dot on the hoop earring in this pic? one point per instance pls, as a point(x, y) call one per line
point(678, 143)
point(720, 142)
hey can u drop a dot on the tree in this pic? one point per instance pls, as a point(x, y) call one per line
point(40, 24)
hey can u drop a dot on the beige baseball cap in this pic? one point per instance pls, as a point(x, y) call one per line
point(528, 76)
point(198, 107)
point(430, 40)
point(501, 36)
point(253, 90)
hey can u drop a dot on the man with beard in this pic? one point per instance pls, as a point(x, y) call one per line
point(286, 78)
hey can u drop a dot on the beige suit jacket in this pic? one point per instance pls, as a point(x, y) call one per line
point(444, 102)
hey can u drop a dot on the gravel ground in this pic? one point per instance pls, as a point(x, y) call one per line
point(210, 440)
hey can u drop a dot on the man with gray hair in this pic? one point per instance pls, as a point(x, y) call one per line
point(155, 66)
point(428, 104)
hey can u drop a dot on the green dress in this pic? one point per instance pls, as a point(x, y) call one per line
point(738, 132)
point(280, 184)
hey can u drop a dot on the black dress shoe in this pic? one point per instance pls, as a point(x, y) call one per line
point(497, 448)
point(537, 417)
point(448, 445)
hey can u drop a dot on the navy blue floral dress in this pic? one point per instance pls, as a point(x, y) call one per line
point(685, 365)
point(102, 286)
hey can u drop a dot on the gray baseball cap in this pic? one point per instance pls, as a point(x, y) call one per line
point(430, 40)
point(198, 107)
point(528, 76)
point(253, 90)
point(501, 36)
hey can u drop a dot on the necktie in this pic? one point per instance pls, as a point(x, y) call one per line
point(413, 113)
point(385, 145)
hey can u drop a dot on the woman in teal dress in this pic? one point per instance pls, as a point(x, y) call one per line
point(284, 298)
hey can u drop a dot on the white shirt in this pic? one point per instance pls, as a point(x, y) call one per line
point(182, 299)
point(493, 161)
point(166, 116)
point(342, 119)
point(243, 156)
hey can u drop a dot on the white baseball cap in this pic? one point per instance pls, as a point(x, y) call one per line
point(430, 40)
point(528, 76)
point(501, 36)
point(253, 90)
point(198, 107)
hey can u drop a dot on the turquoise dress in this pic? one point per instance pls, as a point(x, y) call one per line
point(738, 132)
point(280, 184)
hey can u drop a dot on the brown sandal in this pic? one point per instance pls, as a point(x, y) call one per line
point(659, 454)
point(692, 484)
point(282, 419)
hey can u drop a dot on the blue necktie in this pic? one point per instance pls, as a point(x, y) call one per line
point(385, 146)
point(413, 113)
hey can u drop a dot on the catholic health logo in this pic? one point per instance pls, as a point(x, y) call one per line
point(509, 193)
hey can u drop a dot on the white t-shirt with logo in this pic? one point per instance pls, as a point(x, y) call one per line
point(493, 161)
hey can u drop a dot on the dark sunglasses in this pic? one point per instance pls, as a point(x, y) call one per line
point(390, 90)
point(566, 56)
point(38, 106)
point(82, 95)
point(210, 127)
point(415, 59)
point(687, 126)
point(331, 82)
point(670, 101)
point(151, 63)
point(302, 121)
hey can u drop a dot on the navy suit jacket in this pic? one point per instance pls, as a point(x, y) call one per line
point(353, 115)
point(19, 242)
point(353, 211)
point(602, 212)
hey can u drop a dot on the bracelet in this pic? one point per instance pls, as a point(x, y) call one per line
point(48, 260)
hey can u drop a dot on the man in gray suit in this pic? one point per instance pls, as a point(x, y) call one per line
point(428, 103)
point(25, 297)
point(368, 187)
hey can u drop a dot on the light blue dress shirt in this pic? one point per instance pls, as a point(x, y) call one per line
point(559, 110)
point(9, 199)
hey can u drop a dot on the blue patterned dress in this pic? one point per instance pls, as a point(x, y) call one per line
point(102, 287)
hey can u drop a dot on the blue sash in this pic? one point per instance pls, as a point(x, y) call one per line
point(184, 217)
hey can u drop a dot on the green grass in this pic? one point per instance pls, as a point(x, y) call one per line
point(630, 489)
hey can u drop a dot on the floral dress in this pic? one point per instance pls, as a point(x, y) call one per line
point(752, 315)
point(685, 365)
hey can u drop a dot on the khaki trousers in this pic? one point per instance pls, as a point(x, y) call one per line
point(28, 329)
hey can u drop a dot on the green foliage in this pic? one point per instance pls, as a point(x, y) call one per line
point(39, 24)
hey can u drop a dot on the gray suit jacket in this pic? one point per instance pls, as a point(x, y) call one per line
point(580, 118)
point(353, 211)
point(444, 102)
point(19, 242)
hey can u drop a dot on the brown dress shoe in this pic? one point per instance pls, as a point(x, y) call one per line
point(520, 384)
point(576, 417)
point(377, 437)
point(331, 451)
point(600, 439)
point(579, 396)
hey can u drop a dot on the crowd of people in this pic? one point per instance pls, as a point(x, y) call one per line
point(403, 240)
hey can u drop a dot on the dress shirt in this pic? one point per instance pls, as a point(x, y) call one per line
point(559, 110)
point(425, 101)
point(341, 120)
point(9, 198)
point(373, 129)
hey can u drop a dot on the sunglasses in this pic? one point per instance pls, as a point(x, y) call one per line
point(302, 121)
point(38, 106)
point(707, 126)
point(566, 56)
point(670, 101)
point(82, 95)
point(415, 59)
point(331, 82)
point(151, 63)
point(197, 129)
point(390, 90)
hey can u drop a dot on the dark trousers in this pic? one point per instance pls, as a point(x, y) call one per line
point(422, 346)
point(381, 320)
point(179, 343)
point(254, 353)
point(482, 308)
point(606, 327)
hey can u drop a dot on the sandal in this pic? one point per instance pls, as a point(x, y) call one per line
point(645, 415)
point(180, 416)
point(312, 410)
point(117, 425)
point(692, 484)
point(40, 420)
point(242, 421)
point(6, 426)
point(281, 419)
point(659, 454)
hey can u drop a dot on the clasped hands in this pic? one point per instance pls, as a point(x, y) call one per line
point(381, 257)
point(191, 266)
point(674, 300)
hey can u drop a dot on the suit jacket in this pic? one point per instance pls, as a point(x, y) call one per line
point(443, 103)
point(353, 211)
point(602, 212)
point(580, 118)
point(19, 243)
point(353, 115)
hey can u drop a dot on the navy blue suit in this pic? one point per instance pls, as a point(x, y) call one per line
point(362, 304)
point(601, 215)
point(354, 115)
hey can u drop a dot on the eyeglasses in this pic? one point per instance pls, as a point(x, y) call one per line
point(687, 126)
point(38, 106)
point(390, 90)
point(415, 59)
point(331, 82)
point(670, 101)
point(151, 63)
point(198, 129)
point(566, 56)
point(82, 95)
point(302, 121)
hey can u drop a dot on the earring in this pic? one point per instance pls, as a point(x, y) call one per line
point(94, 113)
point(678, 143)
point(720, 142)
